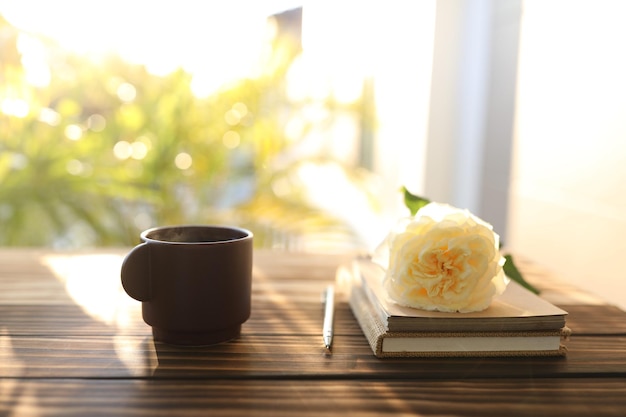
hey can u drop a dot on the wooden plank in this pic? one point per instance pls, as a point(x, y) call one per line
point(283, 356)
point(36, 276)
point(267, 317)
point(284, 317)
point(72, 343)
point(553, 397)
point(596, 319)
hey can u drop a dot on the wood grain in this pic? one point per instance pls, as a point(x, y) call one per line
point(286, 356)
point(551, 397)
point(73, 343)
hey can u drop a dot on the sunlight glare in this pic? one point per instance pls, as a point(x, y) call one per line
point(335, 60)
point(34, 60)
point(18, 363)
point(99, 292)
point(93, 283)
point(15, 107)
point(216, 42)
point(329, 187)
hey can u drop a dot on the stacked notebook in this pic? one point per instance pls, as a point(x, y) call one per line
point(517, 323)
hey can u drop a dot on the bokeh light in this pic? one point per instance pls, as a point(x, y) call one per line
point(15, 107)
point(183, 161)
point(49, 116)
point(236, 114)
point(73, 132)
point(126, 92)
point(122, 150)
point(96, 123)
point(231, 139)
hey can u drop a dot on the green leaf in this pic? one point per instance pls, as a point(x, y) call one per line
point(512, 272)
point(413, 202)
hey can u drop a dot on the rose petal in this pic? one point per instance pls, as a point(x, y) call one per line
point(444, 259)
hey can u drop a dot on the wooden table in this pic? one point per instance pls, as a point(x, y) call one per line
point(72, 343)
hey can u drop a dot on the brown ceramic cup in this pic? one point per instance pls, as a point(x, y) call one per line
point(194, 282)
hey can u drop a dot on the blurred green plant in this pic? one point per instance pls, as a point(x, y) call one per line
point(107, 149)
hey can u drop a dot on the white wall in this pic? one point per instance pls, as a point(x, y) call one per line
point(472, 106)
point(402, 76)
point(568, 189)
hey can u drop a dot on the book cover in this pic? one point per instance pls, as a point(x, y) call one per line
point(517, 309)
point(464, 340)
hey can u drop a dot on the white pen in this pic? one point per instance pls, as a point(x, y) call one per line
point(329, 313)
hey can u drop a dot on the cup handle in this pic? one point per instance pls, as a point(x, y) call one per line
point(135, 273)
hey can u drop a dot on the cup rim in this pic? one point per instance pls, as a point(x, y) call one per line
point(244, 234)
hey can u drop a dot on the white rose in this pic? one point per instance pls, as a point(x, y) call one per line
point(444, 259)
